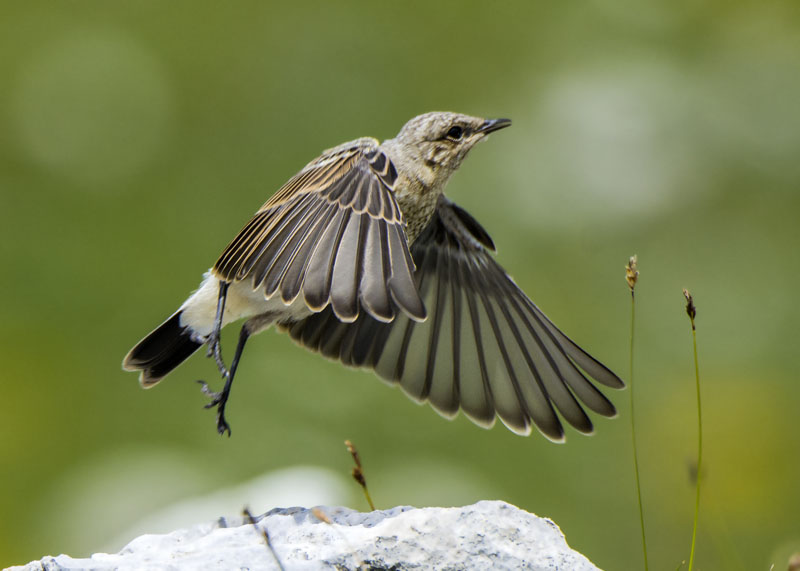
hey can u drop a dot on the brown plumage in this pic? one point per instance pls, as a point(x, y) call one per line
point(361, 257)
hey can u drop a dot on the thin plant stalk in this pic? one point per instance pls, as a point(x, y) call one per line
point(631, 276)
point(358, 472)
point(692, 312)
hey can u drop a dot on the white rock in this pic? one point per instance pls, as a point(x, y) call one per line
point(486, 535)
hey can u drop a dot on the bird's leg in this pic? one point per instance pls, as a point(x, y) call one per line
point(221, 398)
point(215, 350)
point(213, 341)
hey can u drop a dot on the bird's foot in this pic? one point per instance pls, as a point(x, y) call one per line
point(219, 400)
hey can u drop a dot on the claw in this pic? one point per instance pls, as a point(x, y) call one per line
point(208, 392)
point(222, 426)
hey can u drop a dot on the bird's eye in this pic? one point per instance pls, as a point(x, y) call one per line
point(455, 133)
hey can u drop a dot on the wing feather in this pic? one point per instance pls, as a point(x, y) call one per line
point(272, 235)
point(417, 342)
point(233, 256)
point(292, 281)
point(401, 284)
point(374, 293)
point(317, 283)
point(272, 262)
point(345, 270)
point(476, 396)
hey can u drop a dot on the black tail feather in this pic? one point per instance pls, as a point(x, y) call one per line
point(169, 345)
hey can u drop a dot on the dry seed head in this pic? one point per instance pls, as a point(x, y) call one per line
point(632, 272)
point(353, 452)
point(691, 310)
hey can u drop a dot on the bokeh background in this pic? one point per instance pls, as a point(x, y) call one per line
point(137, 138)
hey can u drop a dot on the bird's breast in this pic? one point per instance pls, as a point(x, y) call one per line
point(417, 205)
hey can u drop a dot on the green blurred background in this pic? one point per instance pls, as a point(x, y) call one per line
point(137, 138)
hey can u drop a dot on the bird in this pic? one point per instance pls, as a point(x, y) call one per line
point(362, 258)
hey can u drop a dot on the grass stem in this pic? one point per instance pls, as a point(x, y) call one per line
point(633, 437)
point(692, 312)
point(631, 276)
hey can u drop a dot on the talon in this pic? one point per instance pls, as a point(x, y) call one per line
point(206, 389)
point(222, 426)
point(215, 397)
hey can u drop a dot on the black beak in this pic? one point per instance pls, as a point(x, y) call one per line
point(492, 125)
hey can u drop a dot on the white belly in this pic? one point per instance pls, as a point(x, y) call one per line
point(199, 311)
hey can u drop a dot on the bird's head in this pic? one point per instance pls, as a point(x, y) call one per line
point(440, 140)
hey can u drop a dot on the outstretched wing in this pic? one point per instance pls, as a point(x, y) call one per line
point(485, 346)
point(333, 234)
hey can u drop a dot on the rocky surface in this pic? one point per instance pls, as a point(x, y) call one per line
point(486, 535)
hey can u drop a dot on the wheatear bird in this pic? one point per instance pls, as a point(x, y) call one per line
point(361, 257)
